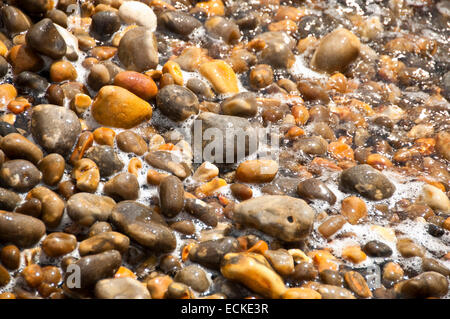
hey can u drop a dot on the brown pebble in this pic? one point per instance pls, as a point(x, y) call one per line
point(59, 244)
point(10, 257)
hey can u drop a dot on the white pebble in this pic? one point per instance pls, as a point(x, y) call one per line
point(134, 12)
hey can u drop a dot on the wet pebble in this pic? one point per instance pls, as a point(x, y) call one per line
point(144, 225)
point(287, 218)
point(124, 186)
point(177, 102)
point(45, 38)
point(171, 196)
point(86, 209)
point(193, 276)
point(211, 252)
point(106, 158)
point(103, 242)
point(311, 189)
point(20, 175)
point(366, 181)
point(121, 288)
point(55, 128)
point(59, 244)
point(377, 248)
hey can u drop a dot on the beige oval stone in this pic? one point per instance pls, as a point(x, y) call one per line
point(257, 171)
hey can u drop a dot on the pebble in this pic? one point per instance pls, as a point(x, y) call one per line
point(224, 29)
point(312, 188)
point(334, 292)
point(21, 230)
point(45, 39)
point(304, 271)
point(170, 264)
point(366, 181)
point(33, 276)
point(330, 226)
point(257, 171)
point(8, 199)
point(59, 244)
point(144, 225)
point(392, 272)
point(242, 104)
point(138, 50)
point(165, 161)
point(123, 185)
point(211, 252)
point(205, 172)
point(336, 51)
point(179, 22)
point(130, 142)
point(194, 277)
point(408, 248)
point(135, 12)
point(253, 271)
point(241, 191)
point(281, 261)
point(278, 49)
point(98, 228)
point(118, 107)
point(14, 20)
point(287, 218)
point(61, 71)
point(20, 175)
point(357, 284)
point(200, 88)
point(52, 167)
point(201, 210)
point(121, 288)
point(94, 268)
point(137, 83)
point(30, 83)
point(86, 209)
point(221, 76)
point(104, 136)
point(261, 76)
point(55, 128)
point(171, 196)
point(10, 257)
point(331, 277)
point(353, 209)
point(4, 276)
point(107, 160)
point(430, 264)
point(229, 127)
point(104, 24)
point(86, 174)
point(52, 205)
point(377, 248)
point(58, 17)
point(177, 102)
point(312, 145)
point(301, 293)
point(435, 198)
point(185, 227)
point(103, 242)
point(427, 284)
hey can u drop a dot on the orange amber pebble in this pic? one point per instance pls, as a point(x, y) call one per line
point(378, 161)
point(341, 151)
point(18, 105)
point(260, 247)
point(104, 136)
point(294, 132)
point(185, 252)
point(337, 82)
point(300, 113)
point(425, 146)
point(354, 254)
point(124, 272)
point(287, 25)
